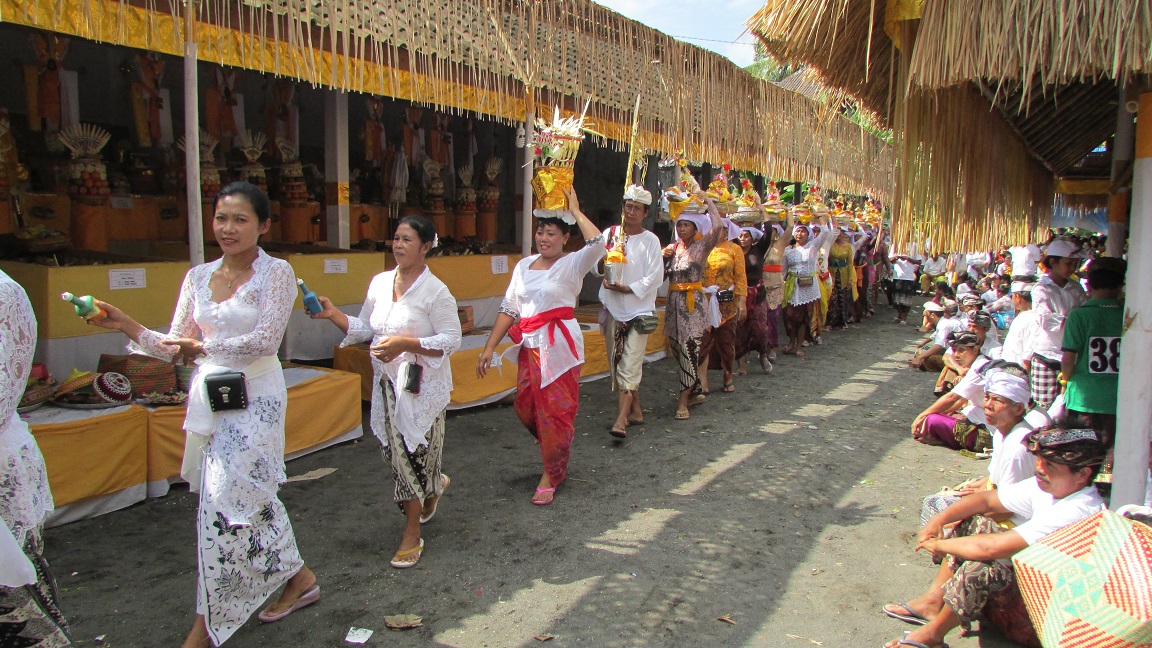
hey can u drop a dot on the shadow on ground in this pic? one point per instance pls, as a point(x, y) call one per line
point(787, 507)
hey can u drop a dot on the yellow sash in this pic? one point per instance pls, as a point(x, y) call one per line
point(691, 288)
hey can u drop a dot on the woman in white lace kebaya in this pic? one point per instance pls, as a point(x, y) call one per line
point(802, 285)
point(29, 613)
point(231, 316)
point(538, 313)
point(411, 319)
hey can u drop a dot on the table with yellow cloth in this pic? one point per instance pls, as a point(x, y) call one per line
point(97, 460)
point(323, 410)
point(470, 391)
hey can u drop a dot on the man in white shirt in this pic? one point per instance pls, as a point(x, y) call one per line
point(932, 269)
point(1017, 342)
point(1025, 260)
point(942, 318)
point(1054, 296)
point(630, 303)
point(976, 566)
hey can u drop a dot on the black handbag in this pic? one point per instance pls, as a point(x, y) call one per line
point(725, 296)
point(227, 391)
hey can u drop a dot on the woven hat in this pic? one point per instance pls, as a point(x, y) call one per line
point(77, 380)
point(112, 387)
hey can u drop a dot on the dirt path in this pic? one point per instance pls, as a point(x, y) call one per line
point(789, 506)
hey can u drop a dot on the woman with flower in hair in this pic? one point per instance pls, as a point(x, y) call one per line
point(410, 317)
point(538, 314)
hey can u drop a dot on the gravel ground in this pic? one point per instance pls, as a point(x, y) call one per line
point(788, 507)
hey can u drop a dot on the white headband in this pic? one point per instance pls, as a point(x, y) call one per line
point(1012, 387)
point(755, 233)
point(638, 194)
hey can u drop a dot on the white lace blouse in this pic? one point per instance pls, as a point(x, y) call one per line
point(531, 292)
point(801, 262)
point(427, 311)
point(25, 500)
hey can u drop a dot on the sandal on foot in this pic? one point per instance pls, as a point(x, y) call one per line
point(404, 559)
point(619, 431)
point(905, 641)
point(912, 616)
point(429, 508)
point(310, 596)
point(544, 491)
point(638, 421)
point(729, 387)
point(682, 415)
point(698, 399)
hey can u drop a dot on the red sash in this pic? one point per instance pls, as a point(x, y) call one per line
point(774, 268)
point(551, 318)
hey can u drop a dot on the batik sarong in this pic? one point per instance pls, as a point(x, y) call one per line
point(719, 346)
point(415, 474)
point(30, 615)
point(759, 332)
point(687, 356)
point(549, 413)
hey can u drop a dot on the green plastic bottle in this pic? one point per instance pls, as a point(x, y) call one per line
point(85, 306)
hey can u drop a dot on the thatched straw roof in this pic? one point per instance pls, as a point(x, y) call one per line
point(1028, 81)
point(505, 58)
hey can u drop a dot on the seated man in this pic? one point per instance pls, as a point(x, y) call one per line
point(980, 324)
point(1006, 396)
point(928, 356)
point(956, 419)
point(976, 561)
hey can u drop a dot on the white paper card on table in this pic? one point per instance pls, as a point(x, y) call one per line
point(357, 635)
point(121, 202)
point(132, 278)
point(500, 264)
point(335, 266)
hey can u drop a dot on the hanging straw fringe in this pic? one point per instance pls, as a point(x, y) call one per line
point(504, 58)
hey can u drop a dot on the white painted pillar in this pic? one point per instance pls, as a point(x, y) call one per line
point(192, 137)
point(1134, 407)
point(525, 226)
point(336, 177)
point(1122, 145)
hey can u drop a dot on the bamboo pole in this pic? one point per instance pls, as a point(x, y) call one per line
point(192, 137)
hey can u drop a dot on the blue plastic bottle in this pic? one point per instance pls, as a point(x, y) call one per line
point(310, 300)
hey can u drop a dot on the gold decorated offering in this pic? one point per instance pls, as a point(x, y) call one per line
point(555, 147)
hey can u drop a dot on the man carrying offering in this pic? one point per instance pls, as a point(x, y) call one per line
point(634, 270)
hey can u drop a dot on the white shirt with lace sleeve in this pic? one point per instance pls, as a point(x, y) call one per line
point(25, 499)
point(426, 311)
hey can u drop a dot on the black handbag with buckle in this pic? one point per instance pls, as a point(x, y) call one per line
point(724, 296)
point(227, 391)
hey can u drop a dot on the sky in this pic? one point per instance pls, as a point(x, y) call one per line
point(713, 25)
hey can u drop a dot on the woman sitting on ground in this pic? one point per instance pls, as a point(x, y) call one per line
point(956, 419)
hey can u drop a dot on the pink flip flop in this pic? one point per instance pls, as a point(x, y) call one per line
point(310, 596)
point(542, 491)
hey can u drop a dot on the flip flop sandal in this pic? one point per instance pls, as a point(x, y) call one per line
point(917, 644)
point(682, 415)
point(429, 508)
point(698, 399)
point(912, 617)
point(619, 432)
point(310, 596)
point(401, 559)
point(544, 491)
point(635, 422)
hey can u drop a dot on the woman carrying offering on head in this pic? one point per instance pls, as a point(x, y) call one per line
point(801, 285)
point(538, 313)
point(230, 317)
point(412, 321)
point(686, 314)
